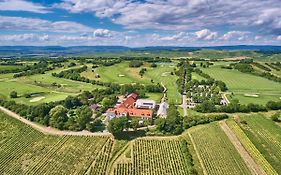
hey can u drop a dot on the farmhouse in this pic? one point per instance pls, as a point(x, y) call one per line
point(133, 107)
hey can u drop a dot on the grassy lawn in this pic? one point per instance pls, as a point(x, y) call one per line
point(218, 154)
point(41, 84)
point(241, 84)
point(266, 136)
point(119, 73)
point(197, 77)
point(163, 74)
point(10, 67)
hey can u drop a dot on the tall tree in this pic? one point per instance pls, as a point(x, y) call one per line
point(58, 117)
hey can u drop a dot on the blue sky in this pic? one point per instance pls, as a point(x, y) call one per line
point(140, 23)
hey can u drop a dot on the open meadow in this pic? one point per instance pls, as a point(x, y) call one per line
point(247, 88)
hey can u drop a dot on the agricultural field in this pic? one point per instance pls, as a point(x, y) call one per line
point(247, 88)
point(216, 152)
point(27, 151)
point(266, 136)
point(250, 147)
point(155, 156)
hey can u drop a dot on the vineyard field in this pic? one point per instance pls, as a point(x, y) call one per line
point(266, 136)
point(24, 150)
point(250, 147)
point(217, 153)
point(151, 156)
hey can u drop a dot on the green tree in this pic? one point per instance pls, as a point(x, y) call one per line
point(13, 94)
point(58, 117)
point(117, 125)
point(84, 115)
point(135, 123)
point(275, 117)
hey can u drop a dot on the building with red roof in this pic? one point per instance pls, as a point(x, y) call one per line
point(129, 108)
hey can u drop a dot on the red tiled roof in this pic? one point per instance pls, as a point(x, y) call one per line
point(134, 95)
point(128, 103)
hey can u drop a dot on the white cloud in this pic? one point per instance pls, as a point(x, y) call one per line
point(177, 37)
point(21, 5)
point(234, 35)
point(35, 24)
point(279, 38)
point(206, 34)
point(24, 38)
point(183, 14)
point(103, 33)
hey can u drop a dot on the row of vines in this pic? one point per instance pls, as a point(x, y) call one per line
point(153, 157)
point(24, 150)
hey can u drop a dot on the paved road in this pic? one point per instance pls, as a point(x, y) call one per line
point(250, 162)
point(49, 130)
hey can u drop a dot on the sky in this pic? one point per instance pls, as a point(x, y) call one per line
point(138, 23)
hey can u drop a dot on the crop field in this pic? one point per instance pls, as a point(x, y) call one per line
point(250, 147)
point(247, 88)
point(41, 86)
point(266, 136)
point(217, 153)
point(156, 156)
point(24, 150)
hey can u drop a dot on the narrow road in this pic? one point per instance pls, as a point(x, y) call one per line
point(225, 98)
point(49, 130)
point(250, 162)
point(184, 105)
point(163, 99)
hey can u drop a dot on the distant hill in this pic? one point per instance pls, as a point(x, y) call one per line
point(32, 51)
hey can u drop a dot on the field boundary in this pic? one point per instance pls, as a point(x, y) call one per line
point(197, 153)
point(249, 161)
point(50, 130)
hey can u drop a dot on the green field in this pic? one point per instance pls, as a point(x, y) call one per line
point(217, 153)
point(245, 85)
point(118, 73)
point(24, 150)
point(266, 136)
point(163, 74)
point(197, 77)
point(250, 147)
point(155, 156)
point(41, 85)
point(10, 67)
point(121, 73)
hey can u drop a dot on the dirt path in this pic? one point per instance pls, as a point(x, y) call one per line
point(250, 162)
point(49, 130)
